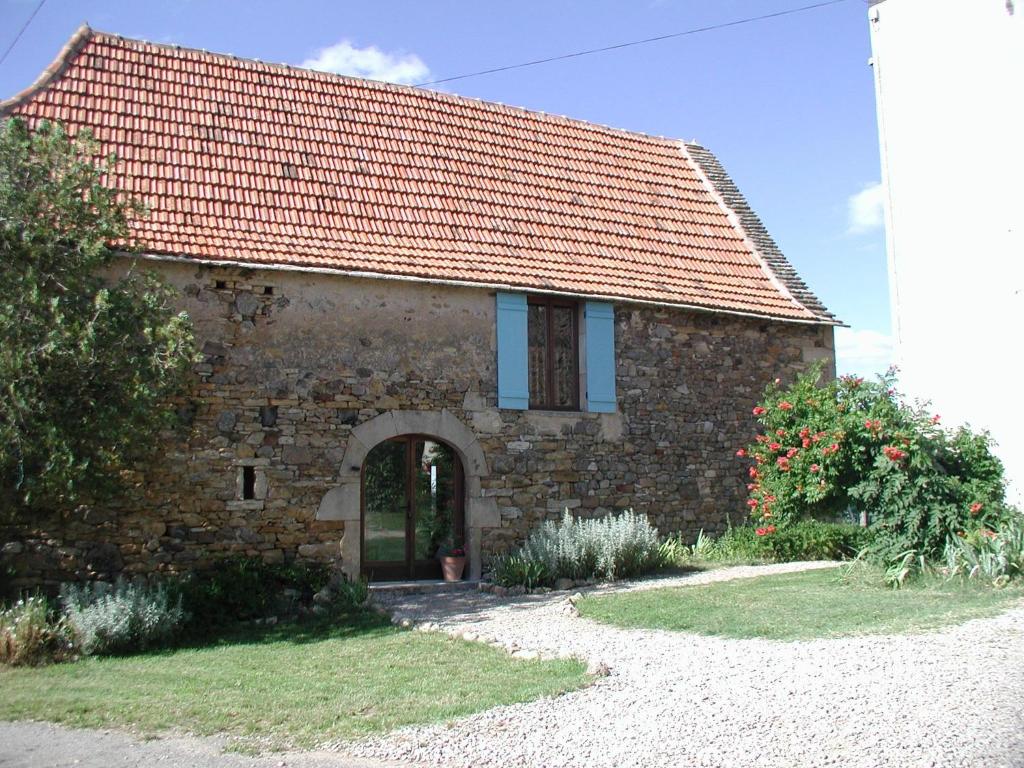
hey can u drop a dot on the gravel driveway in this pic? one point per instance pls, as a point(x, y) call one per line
point(953, 697)
point(947, 698)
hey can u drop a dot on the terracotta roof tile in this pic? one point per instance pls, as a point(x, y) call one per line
point(264, 164)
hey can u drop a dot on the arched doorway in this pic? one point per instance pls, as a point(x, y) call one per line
point(413, 507)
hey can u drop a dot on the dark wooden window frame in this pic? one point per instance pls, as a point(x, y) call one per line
point(411, 568)
point(550, 302)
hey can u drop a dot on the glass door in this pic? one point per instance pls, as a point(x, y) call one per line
point(412, 508)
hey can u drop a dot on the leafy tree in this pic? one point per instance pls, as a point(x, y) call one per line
point(91, 352)
point(853, 447)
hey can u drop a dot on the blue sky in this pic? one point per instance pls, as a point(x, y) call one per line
point(787, 104)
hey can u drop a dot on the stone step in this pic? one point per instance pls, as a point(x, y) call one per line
point(424, 587)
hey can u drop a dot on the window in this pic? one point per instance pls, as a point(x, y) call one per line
point(539, 351)
point(553, 348)
point(248, 483)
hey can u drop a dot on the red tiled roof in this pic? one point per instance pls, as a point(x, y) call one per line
point(268, 165)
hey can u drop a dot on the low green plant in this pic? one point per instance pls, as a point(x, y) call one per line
point(514, 569)
point(349, 596)
point(906, 567)
point(612, 547)
point(28, 637)
point(994, 556)
point(244, 588)
point(122, 617)
point(803, 540)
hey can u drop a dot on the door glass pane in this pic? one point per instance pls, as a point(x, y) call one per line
point(384, 485)
point(563, 345)
point(435, 498)
point(537, 331)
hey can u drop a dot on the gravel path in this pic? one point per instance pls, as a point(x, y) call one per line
point(946, 698)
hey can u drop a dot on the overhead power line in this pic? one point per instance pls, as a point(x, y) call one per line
point(617, 46)
point(21, 32)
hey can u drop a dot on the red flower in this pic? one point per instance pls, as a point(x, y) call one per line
point(769, 497)
point(791, 453)
point(752, 503)
point(752, 472)
point(815, 468)
point(758, 411)
point(770, 529)
point(774, 447)
point(935, 419)
point(805, 432)
point(780, 432)
point(783, 463)
point(762, 438)
point(893, 453)
point(741, 453)
point(761, 531)
point(987, 533)
point(806, 442)
point(786, 406)
point(975, 507)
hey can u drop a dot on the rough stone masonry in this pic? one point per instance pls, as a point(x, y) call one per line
point(293, 361)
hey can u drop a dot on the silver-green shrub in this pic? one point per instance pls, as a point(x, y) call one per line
point(121, 617)
point(612, 547)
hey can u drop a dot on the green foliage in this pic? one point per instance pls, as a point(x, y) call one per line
point(517, 569)
point(244, 588)
point(89, 362)
point(802, 540)
point(829, 450)
point(613, 547)
point(28, 637)
point(993, 556)
point(122, 617)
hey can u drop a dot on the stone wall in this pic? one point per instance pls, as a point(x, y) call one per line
point(293, 361)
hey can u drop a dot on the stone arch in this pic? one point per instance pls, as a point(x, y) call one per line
point(343, 502)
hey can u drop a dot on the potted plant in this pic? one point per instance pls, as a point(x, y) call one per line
point(453, 563)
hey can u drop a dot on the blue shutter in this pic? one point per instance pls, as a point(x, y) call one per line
point(600, 340)
point(513, 362)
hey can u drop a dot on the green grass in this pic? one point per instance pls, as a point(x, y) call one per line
point(291, 686)
point(799, 606)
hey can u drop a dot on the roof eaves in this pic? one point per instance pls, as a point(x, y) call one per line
point(776, 264)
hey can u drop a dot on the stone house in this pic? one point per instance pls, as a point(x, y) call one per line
point(425, 320)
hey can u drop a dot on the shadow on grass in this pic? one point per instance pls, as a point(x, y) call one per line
point(359, 623)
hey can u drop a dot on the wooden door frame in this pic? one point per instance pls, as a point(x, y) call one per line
point(412, 569)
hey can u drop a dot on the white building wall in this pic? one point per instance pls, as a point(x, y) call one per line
point(949, 77)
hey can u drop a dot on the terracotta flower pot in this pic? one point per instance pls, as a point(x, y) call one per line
point(452, 567)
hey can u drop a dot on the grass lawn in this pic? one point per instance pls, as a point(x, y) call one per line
point(800, 606)
point(290, 686)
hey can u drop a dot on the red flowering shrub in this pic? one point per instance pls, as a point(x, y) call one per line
point(835, 449)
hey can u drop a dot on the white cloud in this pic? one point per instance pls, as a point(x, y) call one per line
point(866, 209)
point(862, 352)
point(343, 58)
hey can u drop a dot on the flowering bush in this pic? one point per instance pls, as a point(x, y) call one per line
point(847, 446)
